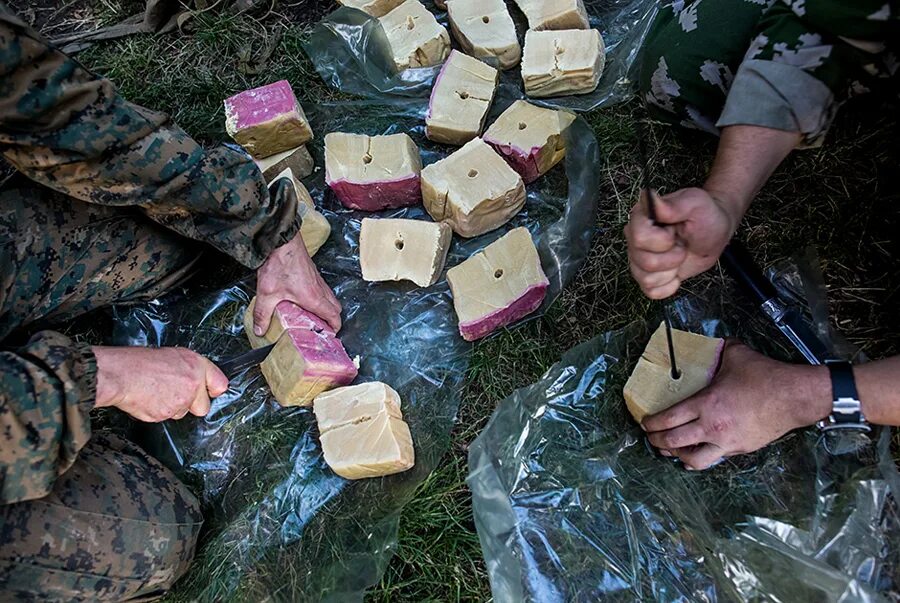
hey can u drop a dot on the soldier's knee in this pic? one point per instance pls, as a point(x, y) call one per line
point(117, 525)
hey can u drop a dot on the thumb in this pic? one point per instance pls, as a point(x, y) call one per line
point(262, 314)
point(674, 208)
point(216, 381)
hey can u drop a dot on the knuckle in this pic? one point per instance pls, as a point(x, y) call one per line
point(719, 425)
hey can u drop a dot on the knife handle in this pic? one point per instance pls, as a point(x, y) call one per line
point(740, 266)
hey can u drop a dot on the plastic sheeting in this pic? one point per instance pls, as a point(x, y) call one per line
point(572, 504)
point(280, 524)
point(351, 53)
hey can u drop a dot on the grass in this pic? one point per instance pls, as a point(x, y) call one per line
point(839, 199)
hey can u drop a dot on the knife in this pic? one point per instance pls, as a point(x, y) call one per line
point(235, 365)
point(741, 267)
point(651, 213)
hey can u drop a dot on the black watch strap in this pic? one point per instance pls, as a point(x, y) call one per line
point(846, 409)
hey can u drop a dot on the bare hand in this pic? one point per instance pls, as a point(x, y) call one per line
point(697, 229)
point(155, 384)
point(751, 402)
point(289, 274)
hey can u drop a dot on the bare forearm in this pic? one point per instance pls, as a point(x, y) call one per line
point(746, 158)
point(878, 385)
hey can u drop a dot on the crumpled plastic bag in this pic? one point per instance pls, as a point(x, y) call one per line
point(572, 504)
point(350, 51)
point(280, 525)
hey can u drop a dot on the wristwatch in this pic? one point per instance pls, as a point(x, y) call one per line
point(846, 410)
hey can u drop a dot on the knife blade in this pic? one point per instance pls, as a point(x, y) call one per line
point(235, 365)
point(651, 213)
point(740, 266)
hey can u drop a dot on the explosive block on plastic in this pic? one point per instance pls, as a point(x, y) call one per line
point(530, 138)
point(396, 250)
point(315, 228)
point(651, 388)
point(554, 14)
point(362, 431)
point(557, 63)
point(415, 36)
point(498, 285)
point(474, 190)
point(304, 363)
point(287, 315)
point(267, 120)
point(485, 30)
point(371, 173)
point(460, 100)
point(298, 160)
point(375, 8)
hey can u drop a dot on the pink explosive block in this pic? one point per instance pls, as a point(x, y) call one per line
point(307, 360)
point(267, 120)
point(530, 301)
point(375, 196)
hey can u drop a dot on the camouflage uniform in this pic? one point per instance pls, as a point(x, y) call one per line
point(123, 204)
point(783, 64)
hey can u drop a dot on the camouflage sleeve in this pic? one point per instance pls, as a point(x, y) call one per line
point(47, 390)
point(807, 58)
point(68, 129)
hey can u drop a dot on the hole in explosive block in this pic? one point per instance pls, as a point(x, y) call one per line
point(367, 159)
point(410, 23)
point(399, 244)
point(462, 94)
point(473, 173)
point(498, 273)
point(485, 19)
point(676, 376)
point(522, 125)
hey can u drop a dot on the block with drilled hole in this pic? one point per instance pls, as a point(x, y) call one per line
point(362, 431)
point(557, 63)
point(473, 190)
point(298, 160)
point(375, 8)
point(460, 99)
point(398, 250)
point(497, 286)
point(267, 120)
point(554, 14)
point(306, 360)
point(371, 173)
point(314, 228)
point(652, 389)
point(530, 138)
point(415, 36)
point(286, 316)
point(485, 30)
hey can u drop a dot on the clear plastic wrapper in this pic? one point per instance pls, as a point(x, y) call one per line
point(572, 504)
point(280, 525)
point(350, 51)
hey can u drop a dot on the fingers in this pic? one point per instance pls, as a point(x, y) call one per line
point(649, 261)
point(676, 416)
point(665, 291)
point(698, 458)
point(200, 406)
point(643, 234)
point(653, 280)
point(216, 381)
point(330, 307)
point(679, 437)
point(262, 313)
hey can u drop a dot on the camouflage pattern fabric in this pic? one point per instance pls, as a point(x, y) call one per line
point(696, 48)
point(113, 203)
point(117, 526)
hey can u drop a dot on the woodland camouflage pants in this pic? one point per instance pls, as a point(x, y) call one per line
point(117, 525)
